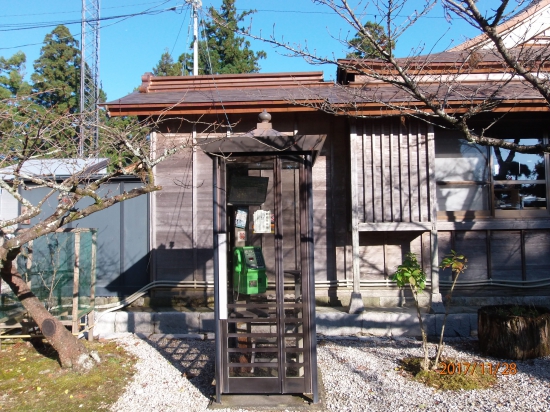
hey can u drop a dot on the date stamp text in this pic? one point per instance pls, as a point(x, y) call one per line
point(464, 368)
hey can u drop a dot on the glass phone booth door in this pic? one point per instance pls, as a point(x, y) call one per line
point(265, 329)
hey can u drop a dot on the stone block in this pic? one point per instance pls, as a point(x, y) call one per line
point(105, 324)
point(392, 301)
point(121, 322)
point(207, 322)
point(371, 301)
point(377, 323)
point(457, 325)
point(430, 324)
point(405, 324)
point(176, 322)
point(140, 322)
point(338, 323)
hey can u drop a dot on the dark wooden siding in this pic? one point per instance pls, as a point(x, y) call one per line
point(182, 240)
point(394, 177)
point(509, 256)
point(174, 209)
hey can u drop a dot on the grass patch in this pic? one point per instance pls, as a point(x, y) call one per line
point(467, 379)
point(31, 378)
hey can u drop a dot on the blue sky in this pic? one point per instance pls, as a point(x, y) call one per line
point(133, 46)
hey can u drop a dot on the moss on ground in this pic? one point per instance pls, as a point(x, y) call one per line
point(31, 378)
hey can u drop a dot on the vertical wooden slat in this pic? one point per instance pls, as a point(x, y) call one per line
point(376, 173)
point(362, 175)
point(423, 183)
point(385, 155)
point(413, 172)
point(432, 211)
point(153, 224)
point(368, 174)
point(404, 174)
point(354, 211)
point(394, 173)
point(389, 145)
point(432, 195)
point(385, 201)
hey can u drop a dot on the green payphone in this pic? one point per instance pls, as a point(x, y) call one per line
point(249, 276)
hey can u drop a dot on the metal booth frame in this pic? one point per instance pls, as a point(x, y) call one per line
point(265, 143)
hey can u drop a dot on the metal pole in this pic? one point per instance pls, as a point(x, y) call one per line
point(195, 41)
point(195, 4)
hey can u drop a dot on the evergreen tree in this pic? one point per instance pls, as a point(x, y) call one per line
point(56, 79)
point(363, 48)
point(12, 71)
point(166, 66)
point(223, 52)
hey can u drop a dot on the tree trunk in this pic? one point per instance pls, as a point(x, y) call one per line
point(72, 353)
point(503, 334)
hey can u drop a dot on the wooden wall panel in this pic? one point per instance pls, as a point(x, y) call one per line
point(371, 252)
point(473, 245)
point(385, 157)
point(381, 253)
point(338, 144)
point(445, 244)
point(537, 254)
point(404, 177)
point(423, 173)
point(183, 218)
point(377, 188)
point(397, 214)
point(367, 171)
point(173, 203)
point(395, 170)
point(506, 255)
point(413, 173)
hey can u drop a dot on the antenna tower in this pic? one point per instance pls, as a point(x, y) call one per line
point(89, 76)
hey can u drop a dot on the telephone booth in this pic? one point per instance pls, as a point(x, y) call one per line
point(264, 267)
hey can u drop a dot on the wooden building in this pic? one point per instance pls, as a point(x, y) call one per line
point(381, 187)
point(386, 179)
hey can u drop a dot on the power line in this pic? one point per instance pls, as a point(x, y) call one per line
point(160, 3)
point(18, 27)
point(122, 18)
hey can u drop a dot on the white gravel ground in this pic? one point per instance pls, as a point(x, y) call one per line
point(359, 374)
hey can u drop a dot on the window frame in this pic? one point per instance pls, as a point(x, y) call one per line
point(492, 211)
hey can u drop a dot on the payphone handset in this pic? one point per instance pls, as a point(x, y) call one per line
point(249, 277)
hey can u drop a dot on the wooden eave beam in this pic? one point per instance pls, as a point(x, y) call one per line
point(203, 109)
point(506, 106)
point(439, 69)
point(361, 109)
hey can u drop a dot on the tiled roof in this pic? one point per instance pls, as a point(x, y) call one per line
point(308, 92)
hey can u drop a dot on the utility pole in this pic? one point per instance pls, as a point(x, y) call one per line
point(89, 76)
point(196, 4)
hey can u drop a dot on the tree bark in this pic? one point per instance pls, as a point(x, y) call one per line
point(72, 353)
point(507, 336)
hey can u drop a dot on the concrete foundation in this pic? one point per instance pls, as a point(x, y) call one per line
point(330, 322)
